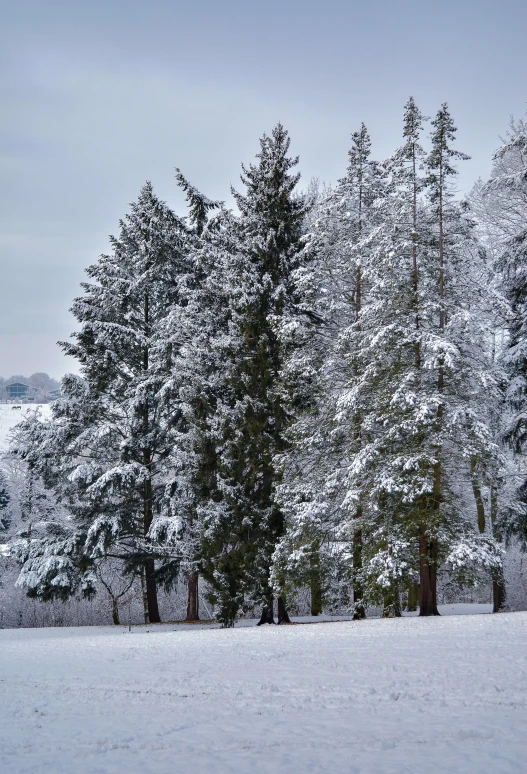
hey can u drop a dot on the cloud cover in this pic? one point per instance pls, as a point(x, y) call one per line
point(99, 97)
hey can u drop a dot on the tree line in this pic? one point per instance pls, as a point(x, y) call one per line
point(42, 385)
point(324, 389)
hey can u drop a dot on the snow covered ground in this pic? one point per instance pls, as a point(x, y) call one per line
point(409, 695)
point(10, 416)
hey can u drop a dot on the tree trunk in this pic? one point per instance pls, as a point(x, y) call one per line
point(151, 586)
point(115, 611)
point(358, 593)
point(498, 594)
point(314, 580)
point(143, 594)
point(498, 584)
point(392, 604)
point(428, 575)
point(151, 592)
point(480, 507)
point(283, 616)
point(428, 549)
point(193, 599)
point(267, 616)
point(413, 596)
point(316, 597)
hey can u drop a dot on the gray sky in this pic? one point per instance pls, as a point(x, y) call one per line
point(99, 96)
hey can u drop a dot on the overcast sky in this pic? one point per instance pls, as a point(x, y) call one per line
point(96, 97)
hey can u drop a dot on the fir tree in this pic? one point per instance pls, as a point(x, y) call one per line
point(500, 205)
point(43, 540)
point(193, 373)
point(251, 418)
point(330, 432)
point(358, 193)
point(370, 464)
point(106, 454)
point(362, 175)
point(512, 266)
point(199, 205)
point(450, 286)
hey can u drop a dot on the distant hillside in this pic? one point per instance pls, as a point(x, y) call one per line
point(41, 386)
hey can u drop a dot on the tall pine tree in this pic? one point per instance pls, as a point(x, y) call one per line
point(106, 453)
point(253, 414)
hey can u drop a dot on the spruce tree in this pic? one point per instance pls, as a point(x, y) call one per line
point(419, 328)
point(198, 204)
point(257, 255)
point(324, 517)
point(43, 539)
point(193, 373)
point(106, 453)
point(208, 395)
point(453, 285)
point(363, 183)
point(500, 205)
point(376, 452)
point(512, 266)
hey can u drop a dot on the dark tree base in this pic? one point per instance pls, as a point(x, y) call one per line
point(283, 616)
point(360, 612)
point(427, 575)
point(193, 598)
point(413, 597)
point(151, 592)
point(267, 616)
point(498, 596)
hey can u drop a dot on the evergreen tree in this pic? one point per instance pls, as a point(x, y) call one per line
point(512, 266)
point(194, 366)
point(256, 256)
point(208, 394)
point(379, 447)
point(458, 357)
point(330, 432)
point(199, 205)
point(500, 205)
point(106, 451)
point(42, 539)
point(362, 185)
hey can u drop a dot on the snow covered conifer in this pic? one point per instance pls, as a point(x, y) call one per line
point(253, 415)
point(500, 205)
point(106, 452)
point(358, 192)
point(425, 382)
point(322, 519)
point(502, 209)
point(457, 355)
point(355, 199)
point(199, 205)
point(378, 450)
point(513, 265)
point(193, 373)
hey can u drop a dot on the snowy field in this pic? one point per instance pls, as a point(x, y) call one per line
point(409, 695)
point(10, 416)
